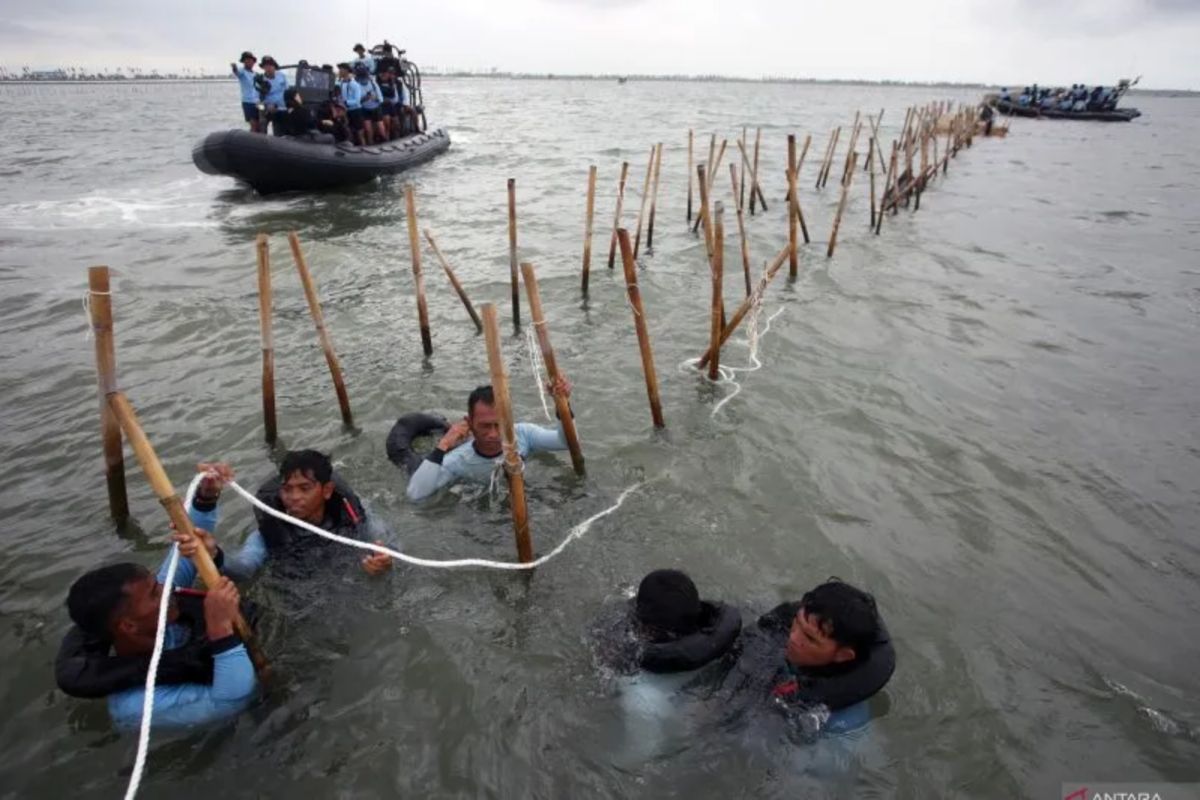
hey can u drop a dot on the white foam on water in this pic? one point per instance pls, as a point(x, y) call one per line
point(171, 205)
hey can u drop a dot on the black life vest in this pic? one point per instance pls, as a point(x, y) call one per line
point(344, 512)
point(85, 666)
point(720, 625)
point(388, 89)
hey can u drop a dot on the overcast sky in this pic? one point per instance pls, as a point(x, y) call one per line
point(1000, 41)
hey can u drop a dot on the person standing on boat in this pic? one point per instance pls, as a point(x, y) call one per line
point(275, 83)
point(350, 94)
point(392, 97)
point(244, 72)
point(372, 104)
point(297, 120)
point(364, 58)
point(473, 448)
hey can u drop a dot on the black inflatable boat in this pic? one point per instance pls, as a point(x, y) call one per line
point(287, 163)
point(1111, 115)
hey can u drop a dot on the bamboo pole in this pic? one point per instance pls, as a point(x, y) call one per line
point(587, 229)
point(718, 274)
point(100, 310)
point(837, 135)
point(261, 246)
point(754, 187)
point(512, 253)
point(314, 307)
point(689, 174)
point(639, 322)
point(744, 308)
point(741, 221)
point(459, 290)
point(705, 212)
point(561, 404)
point(824, 159)
point(637, 241)
point(887, 183)
point(513, 466)
point(837, 220)
point(854, 131)
point(793, 261)
point(157, 476)
point(410, 203)
point(741, 190)
point(612, 245)
point(871, 172)
point(712, 153)
point(654, 198)
point(710, 172)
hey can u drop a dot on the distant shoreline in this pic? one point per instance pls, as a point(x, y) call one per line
point(176, 79)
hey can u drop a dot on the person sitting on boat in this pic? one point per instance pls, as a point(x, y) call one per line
point(392, 94)
point(372, 105)
point(306, 488)
point(349, 94)
point(1024, 97)
point(273, 85)
point(1005, 95)
point(205, 674)
point(245, 75)
point(364, 58)
point(472, 448)
point(297, 120)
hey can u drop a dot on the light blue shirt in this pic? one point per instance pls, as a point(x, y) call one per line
point(351, 93)
point(465, 463)
point(370, 92)
point(278, 85)
point(369, 60)
point(246, 79)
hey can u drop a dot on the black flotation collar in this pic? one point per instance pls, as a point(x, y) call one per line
point(720, 626)
point(407, 428)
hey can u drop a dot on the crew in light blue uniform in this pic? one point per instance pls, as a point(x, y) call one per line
point(245, 75)
point(372, 104)
point(364, 58)
point(350, 97)
point(118, 605)
point(276, 83)
point(473, 448)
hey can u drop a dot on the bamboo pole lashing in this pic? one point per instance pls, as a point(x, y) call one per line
point(639, 322)
point(512, 252)
point(612, 245)
point(654, 197)
point(587, 229)
point(717, 274)
point(263, 253)
point(741, 221)
point(314, 309)
point(165, 491)
point(744, 308)
point(837, 220)
point(637, 240)
point(562, 406)
point(100, 311)
point(514, 468)
point(454, 282)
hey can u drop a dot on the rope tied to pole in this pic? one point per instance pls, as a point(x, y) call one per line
point(538, 365)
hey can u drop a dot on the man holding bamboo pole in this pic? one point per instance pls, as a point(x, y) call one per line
point(473, 447)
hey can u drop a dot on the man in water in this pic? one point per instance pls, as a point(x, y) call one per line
point(272, 86)
point(350, 98)
point(306, 488)
point(115, 610)
point(473, 447)
point(245, 75)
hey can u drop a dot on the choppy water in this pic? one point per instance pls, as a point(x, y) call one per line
point(986, 416)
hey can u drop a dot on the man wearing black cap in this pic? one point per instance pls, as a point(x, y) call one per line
point(244, 72)
point(364, 58)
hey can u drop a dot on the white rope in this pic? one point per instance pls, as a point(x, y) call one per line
point(576, 532)
point(538, 365)
point(139, 763)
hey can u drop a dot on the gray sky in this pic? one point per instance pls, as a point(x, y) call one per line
point(1017, 41)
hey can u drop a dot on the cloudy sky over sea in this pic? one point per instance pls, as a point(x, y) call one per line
point(989, 41)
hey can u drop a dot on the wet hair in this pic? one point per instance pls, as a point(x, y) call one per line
point(667, 603)
point(480, 394)
point(845, 614)
point(96, 597)
point(309, 463)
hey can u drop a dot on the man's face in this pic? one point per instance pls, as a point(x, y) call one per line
point(269, 69)
point(810, 645)
point(485, 427)
point(138, 617)
point(343, 73)
point(249, 63)
point(304, 497)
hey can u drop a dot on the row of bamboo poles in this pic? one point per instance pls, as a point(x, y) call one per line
point(914, 160)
